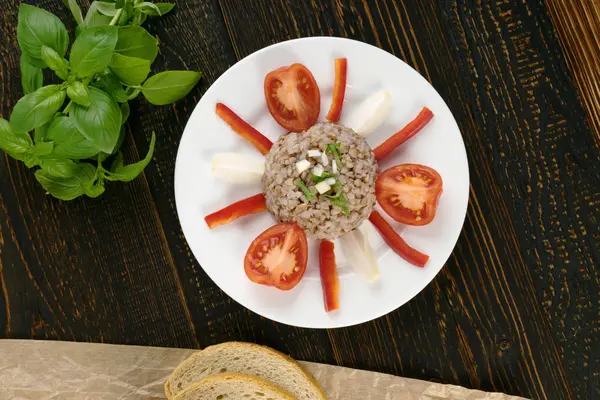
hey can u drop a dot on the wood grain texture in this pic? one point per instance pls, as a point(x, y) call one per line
point(486, 59)
point(546, 158)
point(516, 309)
point(578, 25)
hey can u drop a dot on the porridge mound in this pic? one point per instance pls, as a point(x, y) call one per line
point(321, 216)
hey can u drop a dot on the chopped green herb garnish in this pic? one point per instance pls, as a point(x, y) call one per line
point(325, 175)
point(341, 202)
point(337, 189)
point(334, 149)
point(305, 190)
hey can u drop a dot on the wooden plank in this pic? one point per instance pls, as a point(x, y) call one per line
point(89, 270)
point(508, 296)
point(544, 153)
point(577, 23)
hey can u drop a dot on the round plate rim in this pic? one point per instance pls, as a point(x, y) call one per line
point(240, 64)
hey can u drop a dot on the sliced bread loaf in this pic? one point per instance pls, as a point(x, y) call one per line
point(233, 387)
point(245, 358)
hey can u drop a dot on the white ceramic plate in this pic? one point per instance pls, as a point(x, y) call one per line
point(221, 251)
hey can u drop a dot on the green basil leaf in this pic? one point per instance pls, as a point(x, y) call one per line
point(60, 167)
point(37, 108)
point(55, 62)
point(125, 111)
point(67, 188)
point(138, 18)
point(42, 149)
point(95, 19)
point(119, 142)
point(92, 50)
point(118, 162)
point(106, 8)
point(79, 93)
point(39, 134)
point(30, 160)
point(127, 173)
point(75, 10)
point(148, 8)
point(94, 190)
point(100, 122)
point(111, 85)
point(37, 28)
point(78, 30)
point(14, 144)
point(132, 93)
point(68, 141)
point(163, 8)
point(169, 86)
point(31, 77)
point(130, 70)
point(135, 41)
point(127, 12)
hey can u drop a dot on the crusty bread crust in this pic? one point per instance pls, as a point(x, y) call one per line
point(253, 382)
point(242, 347)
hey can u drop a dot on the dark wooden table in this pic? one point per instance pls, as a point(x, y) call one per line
point(516, 308)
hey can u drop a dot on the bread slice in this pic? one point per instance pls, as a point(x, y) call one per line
point(233, 387)
point(245, 358)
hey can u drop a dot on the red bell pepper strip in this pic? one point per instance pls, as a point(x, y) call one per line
point(396, 242)
point(244, 129)
point(403, 134)
point(251, 205)
point(329, 277)
point(339, 90)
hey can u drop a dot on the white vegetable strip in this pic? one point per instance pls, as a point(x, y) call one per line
point(238, 167)
point(322, 187)
point(302, 166)
point(370, 114)
point(358, 252)
point(324, 159)
point(314, 153)
point(330, 181)
point(318, 170)
point(334, 168)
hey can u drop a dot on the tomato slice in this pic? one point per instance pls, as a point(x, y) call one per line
point(395, 241)
point(293, 97)
point(339, 90)
point(250, 205)
point(409, 193)
point(277, 257)
point(329, 277)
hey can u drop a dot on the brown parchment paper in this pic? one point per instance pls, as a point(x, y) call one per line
point(44, 370)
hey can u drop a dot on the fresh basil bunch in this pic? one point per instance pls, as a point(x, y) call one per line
point(77, 125)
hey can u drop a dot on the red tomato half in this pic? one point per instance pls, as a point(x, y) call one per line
point(277, 257)
point(409, 193)
point(293, 97)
